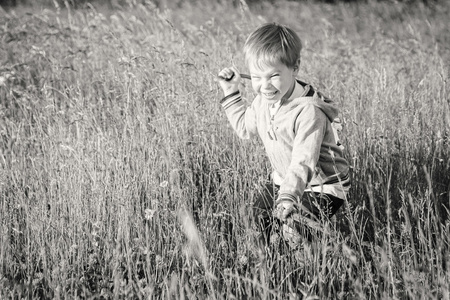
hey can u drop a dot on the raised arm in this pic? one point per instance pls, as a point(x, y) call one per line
point(241, 117)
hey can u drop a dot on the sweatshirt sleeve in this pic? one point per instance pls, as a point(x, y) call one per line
point(310, 128)
point(241, 117)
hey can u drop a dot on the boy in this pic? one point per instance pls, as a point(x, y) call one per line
point(310, 176)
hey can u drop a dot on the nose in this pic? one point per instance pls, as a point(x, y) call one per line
point(266, 83)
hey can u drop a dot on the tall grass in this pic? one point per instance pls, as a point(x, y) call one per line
point(120, 177)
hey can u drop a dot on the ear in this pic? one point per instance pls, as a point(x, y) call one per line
point(297, 66)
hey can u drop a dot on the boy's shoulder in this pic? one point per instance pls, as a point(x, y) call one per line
point(312, 95)
point(314, 100)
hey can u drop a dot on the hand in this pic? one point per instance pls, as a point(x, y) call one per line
point(229, 79)
point(284, 209)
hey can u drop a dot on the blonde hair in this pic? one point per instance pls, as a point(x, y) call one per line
point(273, 43)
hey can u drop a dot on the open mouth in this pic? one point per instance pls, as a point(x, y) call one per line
point(269, 94)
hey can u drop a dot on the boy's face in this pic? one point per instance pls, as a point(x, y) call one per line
point(272, 81)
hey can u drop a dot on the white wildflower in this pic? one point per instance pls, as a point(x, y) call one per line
point(149, 213)
point(164, 184)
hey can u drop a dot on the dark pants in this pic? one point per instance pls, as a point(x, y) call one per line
point(320, 205)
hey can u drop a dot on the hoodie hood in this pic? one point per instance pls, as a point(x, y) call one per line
point(326, 105)
point(309, 96)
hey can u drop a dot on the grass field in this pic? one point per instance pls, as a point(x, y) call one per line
point(120, 177)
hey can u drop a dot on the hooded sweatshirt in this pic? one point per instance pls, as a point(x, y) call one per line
point(299, 140)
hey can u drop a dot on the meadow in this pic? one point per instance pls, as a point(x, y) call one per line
point(121, 178)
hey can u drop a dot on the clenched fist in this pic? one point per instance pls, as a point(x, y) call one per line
point(229, 79)
point(284, 209)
